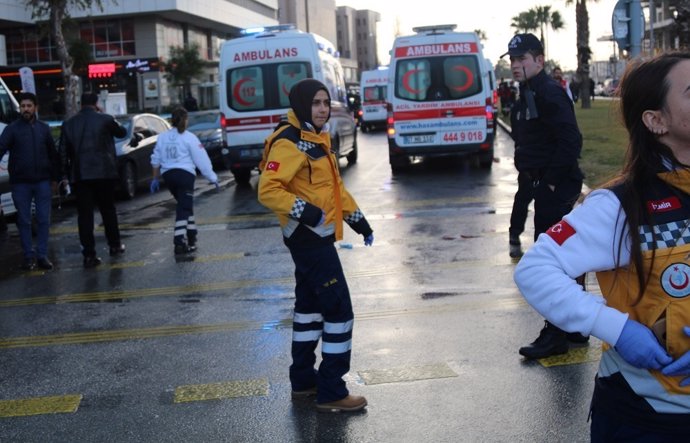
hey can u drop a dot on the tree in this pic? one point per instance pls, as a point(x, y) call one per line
point(481, 34)
point(547, 19)
point(539, 18)
point(584, 53)
point(56, 11)
point(184, 65)
point(525, 22)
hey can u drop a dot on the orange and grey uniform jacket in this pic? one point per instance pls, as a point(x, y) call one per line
point(589, 240)
point(299, 180)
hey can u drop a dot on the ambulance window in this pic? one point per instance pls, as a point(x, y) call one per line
point(329, 79)
point(288, 75)
point(412, 79)
point(247, 92)
point(340, 86)
point(462, 76)
point(374, 93)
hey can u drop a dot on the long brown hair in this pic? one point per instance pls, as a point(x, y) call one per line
point(644, 87)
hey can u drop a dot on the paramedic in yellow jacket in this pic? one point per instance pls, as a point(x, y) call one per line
point(301, 183)
point(635, 235)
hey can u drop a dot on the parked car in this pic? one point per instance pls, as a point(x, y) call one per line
point(135, 148)
point(208, 126)
point(599, 89)
point(610, 87)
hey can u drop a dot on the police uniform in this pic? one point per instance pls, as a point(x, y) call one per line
point(589, 239)
point(299, 182)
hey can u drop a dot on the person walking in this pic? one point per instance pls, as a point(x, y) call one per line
point(301, 184)
point(87, 150)
point(33, 165)
point(547, 147)
point(557, 75)
point(176, 156)
point(634, 234)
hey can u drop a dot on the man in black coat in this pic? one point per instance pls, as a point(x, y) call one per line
point(547, 147)
point(87, 151)
point(33, 164)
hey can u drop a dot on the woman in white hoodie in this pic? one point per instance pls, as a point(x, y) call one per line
point(176, 156)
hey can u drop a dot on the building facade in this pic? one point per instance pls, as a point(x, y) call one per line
point(315, 16)
point(357, 37)
point(127, 43)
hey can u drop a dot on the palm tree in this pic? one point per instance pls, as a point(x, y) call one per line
point(547, 19)
point(584, 53)
point(525, 22)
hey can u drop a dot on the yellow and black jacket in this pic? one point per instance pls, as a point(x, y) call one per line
point(299, 180)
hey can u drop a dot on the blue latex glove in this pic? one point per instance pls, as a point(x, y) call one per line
point(216, 185)
point(680, 366)
point(369, 240)
point(155, 185)
point(638, 346)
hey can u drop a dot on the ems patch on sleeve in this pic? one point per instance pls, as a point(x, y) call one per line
point(560, 232)
point(272, 166)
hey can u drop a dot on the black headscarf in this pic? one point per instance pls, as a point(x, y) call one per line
point(301, 96)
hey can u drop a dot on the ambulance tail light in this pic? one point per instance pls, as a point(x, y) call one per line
point(390, 121)
point(223, 127)
point(489, 113)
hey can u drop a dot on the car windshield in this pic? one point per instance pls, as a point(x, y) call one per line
point(206, 120)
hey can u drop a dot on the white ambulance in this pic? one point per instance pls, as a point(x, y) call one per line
point(373, 91)
point(256, 74)
point(440, 97)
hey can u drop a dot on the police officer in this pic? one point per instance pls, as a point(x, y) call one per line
point(547, 147)
point(301, 183)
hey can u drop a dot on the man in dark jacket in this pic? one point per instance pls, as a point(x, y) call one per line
point(87, 151)
point(32, 165)
point(547, 147)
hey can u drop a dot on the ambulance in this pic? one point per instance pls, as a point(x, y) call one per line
point(440, 101)
point(373, 86)
point(256, 74)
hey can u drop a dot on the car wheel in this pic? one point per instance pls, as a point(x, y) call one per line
point(242, 176)
point(486, 159)
point(399, 163)
point(352, 156)
point(128, 180)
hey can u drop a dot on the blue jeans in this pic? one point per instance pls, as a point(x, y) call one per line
point(41, 194)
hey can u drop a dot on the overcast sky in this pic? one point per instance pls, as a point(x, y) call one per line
point(495, 22)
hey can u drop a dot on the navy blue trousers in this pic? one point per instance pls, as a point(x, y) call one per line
point(323, 310)
point(181, 185)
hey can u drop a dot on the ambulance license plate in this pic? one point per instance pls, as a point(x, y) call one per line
point(418, 139)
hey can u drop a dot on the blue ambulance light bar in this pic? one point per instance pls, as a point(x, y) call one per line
point(274, 29)
point(434, 29)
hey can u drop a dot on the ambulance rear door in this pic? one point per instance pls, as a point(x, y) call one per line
point(258, 73)
point(438, 95)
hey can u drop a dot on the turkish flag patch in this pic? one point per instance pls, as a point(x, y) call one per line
point(560, 232)
point(272, 166)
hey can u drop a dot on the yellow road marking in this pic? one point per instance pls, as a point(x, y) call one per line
point(217, 391)
point(74, 338)
point(225, 285)
point(407, 373)
point(575, 355)
point(40, 405)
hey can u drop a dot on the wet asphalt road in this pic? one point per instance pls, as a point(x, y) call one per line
point(158, 348)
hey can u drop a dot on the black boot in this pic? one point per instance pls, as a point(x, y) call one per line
point(551, 341)
point(515, 247)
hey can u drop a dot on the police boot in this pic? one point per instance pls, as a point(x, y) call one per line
point(551, 341)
